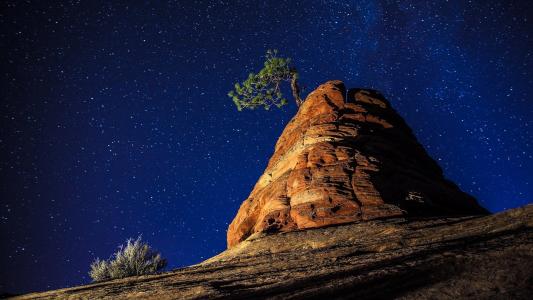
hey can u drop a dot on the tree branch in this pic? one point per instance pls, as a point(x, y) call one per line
point(295, 87)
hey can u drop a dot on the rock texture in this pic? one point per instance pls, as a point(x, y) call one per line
point(488, 257)
point(342, 160)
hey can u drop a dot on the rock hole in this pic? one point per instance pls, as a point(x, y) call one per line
point(335, 208)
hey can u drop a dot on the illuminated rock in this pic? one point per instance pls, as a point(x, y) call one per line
point(343, 159)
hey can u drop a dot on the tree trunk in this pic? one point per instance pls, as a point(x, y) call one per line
point(295, 88)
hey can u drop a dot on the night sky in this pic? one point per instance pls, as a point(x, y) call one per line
point(115, 120)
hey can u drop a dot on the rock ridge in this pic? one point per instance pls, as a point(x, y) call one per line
point(468, 257)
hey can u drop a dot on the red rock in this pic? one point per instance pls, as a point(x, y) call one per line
point(341, 161)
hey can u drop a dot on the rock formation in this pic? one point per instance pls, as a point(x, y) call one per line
point(402, 230)
point(342, 160)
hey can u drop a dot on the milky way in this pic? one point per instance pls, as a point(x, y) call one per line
point(115, 120)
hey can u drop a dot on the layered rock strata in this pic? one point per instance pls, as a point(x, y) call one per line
point(342, 159)
point(489, 257)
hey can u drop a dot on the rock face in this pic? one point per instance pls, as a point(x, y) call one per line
point(343, 159)
point(488, 257)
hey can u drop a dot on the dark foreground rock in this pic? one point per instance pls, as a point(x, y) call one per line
point(433, 258)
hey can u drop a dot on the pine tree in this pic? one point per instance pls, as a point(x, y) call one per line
point(263, 89)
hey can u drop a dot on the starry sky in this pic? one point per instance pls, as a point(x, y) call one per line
point(115, 120)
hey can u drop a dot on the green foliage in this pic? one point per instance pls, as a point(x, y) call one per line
point(263, 89)
point(133, 259)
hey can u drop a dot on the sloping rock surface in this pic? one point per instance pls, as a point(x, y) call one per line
point(487, 257)
point(343, 159)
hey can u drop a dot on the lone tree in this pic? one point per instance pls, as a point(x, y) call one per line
point(263, 89)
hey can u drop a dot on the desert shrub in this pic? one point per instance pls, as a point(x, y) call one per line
point(132, 259)
point(99, 270)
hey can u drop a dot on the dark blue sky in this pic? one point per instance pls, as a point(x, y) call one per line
point(115, 120)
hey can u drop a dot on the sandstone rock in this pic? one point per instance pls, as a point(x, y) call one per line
point(489, 257)
point(342, 159)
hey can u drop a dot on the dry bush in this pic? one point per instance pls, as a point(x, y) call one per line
point(133, 259)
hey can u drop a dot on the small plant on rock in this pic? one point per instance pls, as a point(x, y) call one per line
point(132, 259)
